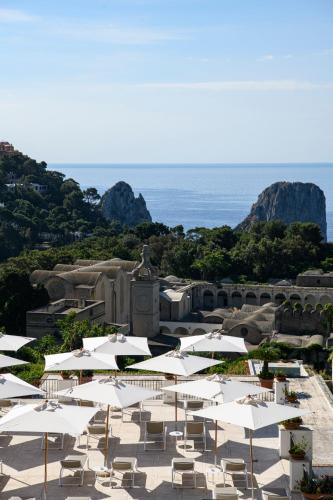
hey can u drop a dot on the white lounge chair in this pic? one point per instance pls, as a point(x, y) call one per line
point(275, 494)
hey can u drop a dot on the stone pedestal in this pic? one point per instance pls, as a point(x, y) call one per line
point(297, 435)
point(280, 389)
point(296, 472)
point(145, 299)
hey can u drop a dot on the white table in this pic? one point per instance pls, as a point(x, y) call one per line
point(176, 435)
point(101, 472)
point(213, 472)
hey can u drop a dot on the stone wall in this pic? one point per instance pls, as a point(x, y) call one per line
point(301, 321)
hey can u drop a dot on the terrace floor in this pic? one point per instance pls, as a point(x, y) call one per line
point(23, 458)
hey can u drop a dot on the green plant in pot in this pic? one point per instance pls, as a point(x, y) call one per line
point(291, 396)
point(314, 488)
point(280, 376)
point(266, 353)
point(292, 423)
point(298, 450)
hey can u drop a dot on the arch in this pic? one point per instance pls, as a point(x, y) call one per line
point(180, 330)
point(325, 299)
point(208, 300)
point(222, 299)
point(265, 298)
point(244, 331)
point(165, 330)
point(279, 298)
point(294, 297)
point(310, 299)
point(237, 299)
point(251, 298)
point(198, 331)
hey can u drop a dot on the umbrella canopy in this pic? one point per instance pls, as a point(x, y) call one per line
point(9, 361)
point(13, 342)
point(13, 387)
point(176, 363)
point(80, 359)
point(110, 391)
point(251, 414)
point(118, 345)
point(213, 342)
point(216, 388)
point(47, 417)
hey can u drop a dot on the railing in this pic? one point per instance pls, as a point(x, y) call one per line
point(52, 386)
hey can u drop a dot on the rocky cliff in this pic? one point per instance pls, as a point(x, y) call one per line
point(119, 203)
point(289, 202)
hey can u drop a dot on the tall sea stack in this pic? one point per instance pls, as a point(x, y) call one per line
point(119, 204)
point(289, 202)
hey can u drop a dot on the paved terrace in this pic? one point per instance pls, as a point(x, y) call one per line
point(23, 458)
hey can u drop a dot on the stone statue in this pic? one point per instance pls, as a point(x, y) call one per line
point(145, 271)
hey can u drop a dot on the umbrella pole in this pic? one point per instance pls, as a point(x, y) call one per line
point(176, 404)
point(107, 436)
point(215, 442)
point(251, 460)
point(80, 379)
point(45, 462)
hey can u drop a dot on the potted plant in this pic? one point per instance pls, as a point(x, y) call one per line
point(280, 376)
point(297, 451)
point(266, 353)
point(292, 424)
point(168, 376)
point(315, 488)
point(291, 396)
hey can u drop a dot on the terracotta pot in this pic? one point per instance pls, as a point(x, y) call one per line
point(266, 382)
point(297, 456)
point(316, 496)
point(292, 426)
point(291, 400)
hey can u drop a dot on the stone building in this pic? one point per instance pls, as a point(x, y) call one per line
point(106, 282)
point(43, 321)
point(302, 320)
point(315, 278)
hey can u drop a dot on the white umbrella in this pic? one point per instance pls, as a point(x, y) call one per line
point(81, 359)
point(112, 392)
point(176, 363)
point(13, 342)
point(213, 342)
point(47, 417)
point(218, 389)
point(13, 387)
point(118, 345)
point(9, 361)
point(251, 414)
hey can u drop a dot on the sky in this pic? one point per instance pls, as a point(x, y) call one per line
point(161, 81)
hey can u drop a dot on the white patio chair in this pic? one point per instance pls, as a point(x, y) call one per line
point(54, 435)
point(195, 431)
point(274, 494)
point(234, 467)
point(155, 431)
point(182, 466)
point(75, 464)
point(130, 410)
point(225, 493)
point(124, 465)
point(97, 432)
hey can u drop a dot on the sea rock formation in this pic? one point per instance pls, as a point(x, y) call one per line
point(289, 202)
point(119, 204)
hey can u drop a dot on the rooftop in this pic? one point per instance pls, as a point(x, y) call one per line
point(23, 458)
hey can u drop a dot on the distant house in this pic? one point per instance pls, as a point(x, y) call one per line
point(40, 188)
point(6, 148)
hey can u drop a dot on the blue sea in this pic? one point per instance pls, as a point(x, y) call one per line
point(202, 194)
